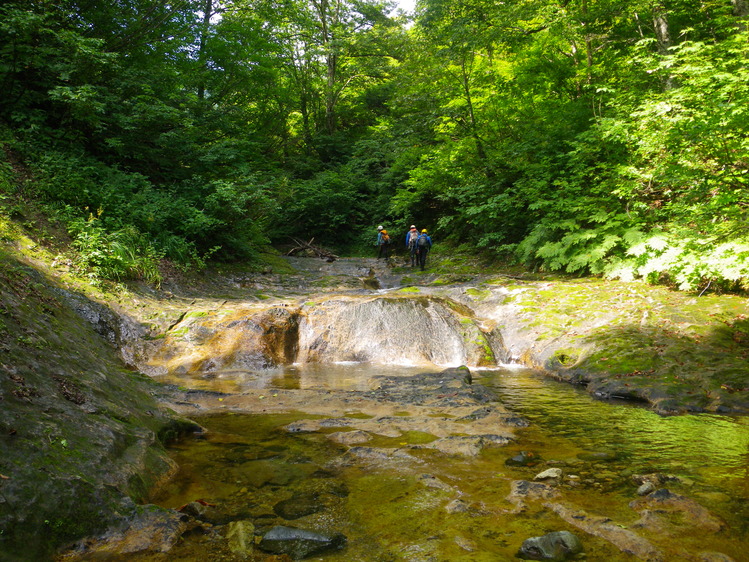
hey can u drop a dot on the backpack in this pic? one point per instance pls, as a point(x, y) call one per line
point(385, 239)
point(412, 239)
point(422, 242)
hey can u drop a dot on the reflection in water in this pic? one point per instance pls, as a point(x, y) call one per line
point(346, 376)
point(704, 444)
point(248, 465)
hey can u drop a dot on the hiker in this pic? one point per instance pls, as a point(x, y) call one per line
point(411, 237)
point(423, 245)
point(383, 239)
point(379, 240)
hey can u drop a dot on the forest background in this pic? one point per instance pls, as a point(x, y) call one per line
point(585, 136)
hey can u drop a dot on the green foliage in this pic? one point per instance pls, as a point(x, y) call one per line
point(324, 207)
point(578, 137)
point(119, 255)
point(686, 260)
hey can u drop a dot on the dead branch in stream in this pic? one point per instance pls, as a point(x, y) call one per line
point(302, 246)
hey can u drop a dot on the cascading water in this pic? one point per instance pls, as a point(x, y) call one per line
point(226, 349)
point(392, 330)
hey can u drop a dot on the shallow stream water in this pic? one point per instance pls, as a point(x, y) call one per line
point(245, 466)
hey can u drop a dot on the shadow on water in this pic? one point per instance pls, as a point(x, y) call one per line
point(248, 467)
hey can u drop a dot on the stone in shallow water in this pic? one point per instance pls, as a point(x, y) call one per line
point(559, 545)
point(549, 474)
point(241, 537)
point(523, 458)
point(299, 543)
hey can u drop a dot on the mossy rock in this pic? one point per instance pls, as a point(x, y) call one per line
point(79, 433)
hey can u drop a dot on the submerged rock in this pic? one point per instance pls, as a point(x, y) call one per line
point(522, 491)
point(356, 437)
point(467, 446)
point(457, 506)
point(691, 515)
point(299, 543)
point(617, 534)
point(559, 545)
point(298, 505)
point(241, 537)
point(598, 456)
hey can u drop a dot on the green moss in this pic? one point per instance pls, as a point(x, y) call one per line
point(565, 357)
point(196, 314)
point(358, 416)
point(409, 290)
point(478, 294)
point(406, 439)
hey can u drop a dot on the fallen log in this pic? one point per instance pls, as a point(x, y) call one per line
point(301, 246)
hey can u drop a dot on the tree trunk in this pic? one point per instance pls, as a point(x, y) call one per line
point(662, 36)
point(660, 24)
point(741, 11)
point(472, 119)
point(202, 55)
point(327, 18)
point(588, 43)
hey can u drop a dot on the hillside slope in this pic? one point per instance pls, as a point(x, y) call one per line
point(80, 434)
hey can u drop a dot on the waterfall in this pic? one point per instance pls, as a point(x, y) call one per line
point(384, 330)
point(391, 330)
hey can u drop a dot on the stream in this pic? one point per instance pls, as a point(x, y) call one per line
point(327, 407)
point(414, 503)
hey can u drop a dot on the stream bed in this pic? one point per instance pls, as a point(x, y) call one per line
point(394, 498)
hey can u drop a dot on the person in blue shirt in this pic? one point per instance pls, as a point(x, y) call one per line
point(423, 245)
point(411, 237)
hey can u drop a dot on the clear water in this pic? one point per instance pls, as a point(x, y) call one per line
point(246, 464)
point(711, 449)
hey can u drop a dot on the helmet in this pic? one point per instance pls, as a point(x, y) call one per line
point(424, 231)
point(384, 231)
point(413, 226)
point(380, 227)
